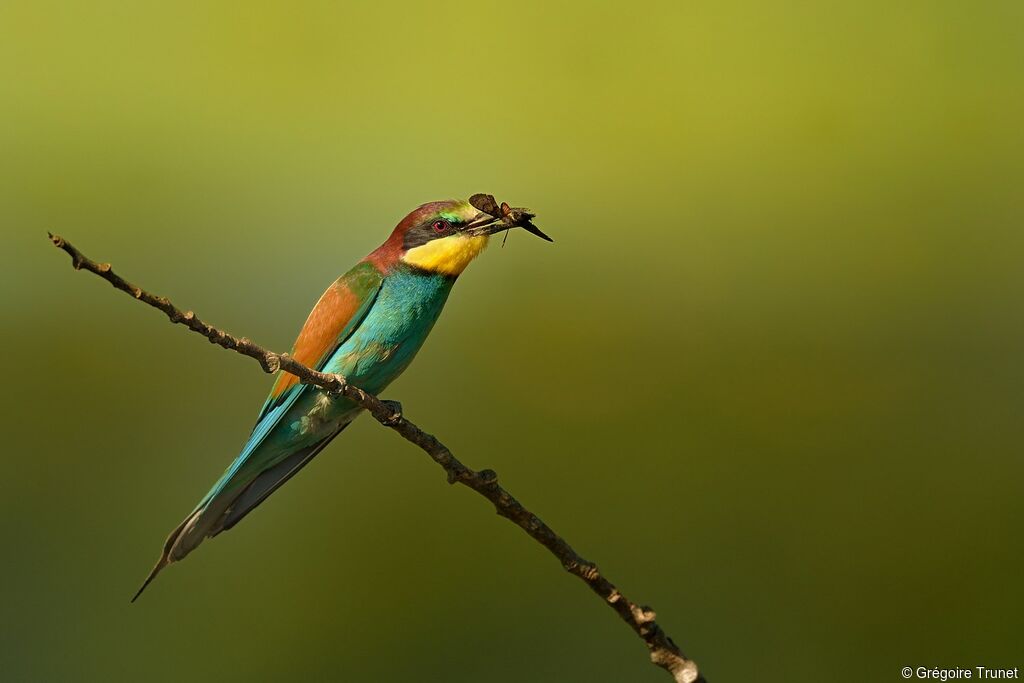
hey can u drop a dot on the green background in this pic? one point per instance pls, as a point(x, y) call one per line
point(769, 375)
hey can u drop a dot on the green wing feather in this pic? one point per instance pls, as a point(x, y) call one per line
point(256, 472)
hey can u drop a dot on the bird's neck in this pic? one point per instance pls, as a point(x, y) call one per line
point(447, 256)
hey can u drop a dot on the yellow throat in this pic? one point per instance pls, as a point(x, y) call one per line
point(449, 255)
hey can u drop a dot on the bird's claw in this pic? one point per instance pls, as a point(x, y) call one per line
point(396, 411)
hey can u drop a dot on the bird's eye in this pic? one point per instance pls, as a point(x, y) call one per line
point(441, 226)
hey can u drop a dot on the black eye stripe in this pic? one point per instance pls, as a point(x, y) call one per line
point(426, 231)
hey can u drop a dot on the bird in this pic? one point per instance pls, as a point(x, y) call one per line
point(367, 326)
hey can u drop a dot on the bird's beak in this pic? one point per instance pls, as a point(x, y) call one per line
point(483, 224)
point(486, 224)
point(529, 227)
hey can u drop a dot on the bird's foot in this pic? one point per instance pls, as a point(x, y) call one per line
point(396, 411)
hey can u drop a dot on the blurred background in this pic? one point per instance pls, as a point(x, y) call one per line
point(769, 376)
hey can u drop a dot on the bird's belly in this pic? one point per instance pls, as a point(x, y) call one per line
point(393, 331)
point(378, 352)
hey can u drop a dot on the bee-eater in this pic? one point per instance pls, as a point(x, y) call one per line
point(367, 326)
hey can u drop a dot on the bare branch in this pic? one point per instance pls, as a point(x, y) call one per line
point(663, 651)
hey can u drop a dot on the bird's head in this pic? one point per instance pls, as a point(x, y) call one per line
point(443, 237)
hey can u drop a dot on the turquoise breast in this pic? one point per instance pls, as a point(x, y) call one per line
point(381, 348)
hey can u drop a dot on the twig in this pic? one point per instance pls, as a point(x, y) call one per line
point(663, 651)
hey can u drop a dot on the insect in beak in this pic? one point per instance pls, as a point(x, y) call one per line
point(503, 217)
